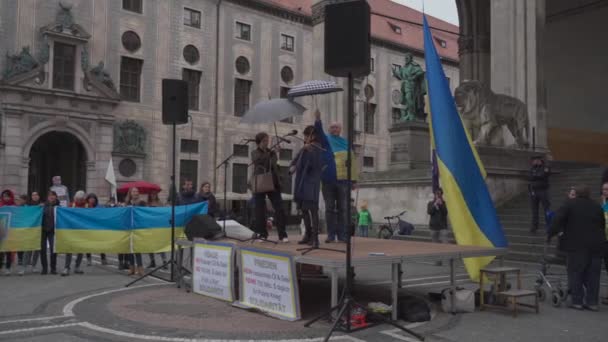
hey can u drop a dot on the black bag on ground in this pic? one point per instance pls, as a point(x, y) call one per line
point(413, 309)
point(202, 226)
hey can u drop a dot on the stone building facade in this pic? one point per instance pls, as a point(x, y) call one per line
point(81, 85)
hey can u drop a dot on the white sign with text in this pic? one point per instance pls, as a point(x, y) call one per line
point(212, 270)
point(268, 283)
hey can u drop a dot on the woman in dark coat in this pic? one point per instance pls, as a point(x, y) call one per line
point(308, 167)
point(264, 160)
point(205, 195)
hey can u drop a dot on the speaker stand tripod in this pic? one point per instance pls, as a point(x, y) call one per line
point(172, 260)
point(347, 302)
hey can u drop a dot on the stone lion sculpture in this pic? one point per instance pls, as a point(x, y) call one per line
point(484, 113)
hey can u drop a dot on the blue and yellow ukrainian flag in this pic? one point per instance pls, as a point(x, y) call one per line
point(152, 226)
point(471, 209)
point(23, 225)
point(95, 230)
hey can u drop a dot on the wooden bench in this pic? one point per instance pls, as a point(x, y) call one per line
point(499, 277)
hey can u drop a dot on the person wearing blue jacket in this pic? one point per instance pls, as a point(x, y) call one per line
point(335, 183)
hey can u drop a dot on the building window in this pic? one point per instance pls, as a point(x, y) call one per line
point(188, 170)
point(286, 74)
point(191, 54)
point(242, 90)
point(242, 65)
point(395, 28)
point(372, 61)
point(286, 180)
point(64, 56)
point(127, 167)
point(368, 161)
point(193, 78)
point(370, 115)
point(132, 5)
point(130, 78)
point(239, 178)
point(243, 31)
point(188, 146)
point(131, 41)
point(441, 42)
point(240, 150)
point(283, 94)
point(192, 18)
point(285, 154)
point(287, 42)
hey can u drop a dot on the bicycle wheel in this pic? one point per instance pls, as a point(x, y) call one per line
point(385, 233)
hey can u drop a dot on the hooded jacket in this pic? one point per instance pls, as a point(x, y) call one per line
point(9, 202)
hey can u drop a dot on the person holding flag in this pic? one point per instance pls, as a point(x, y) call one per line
point(472, 213)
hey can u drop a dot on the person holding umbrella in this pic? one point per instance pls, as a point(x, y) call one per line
point(266, 183)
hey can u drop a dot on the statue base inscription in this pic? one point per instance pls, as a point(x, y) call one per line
point(410, 145)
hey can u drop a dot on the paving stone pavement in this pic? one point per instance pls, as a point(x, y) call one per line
point(97, 307)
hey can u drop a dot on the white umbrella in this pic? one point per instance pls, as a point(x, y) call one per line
point(274, 110)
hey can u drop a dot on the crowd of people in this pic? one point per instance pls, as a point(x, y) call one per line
point(58, 195)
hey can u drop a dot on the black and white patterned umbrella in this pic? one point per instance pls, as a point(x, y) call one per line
point(315, 87)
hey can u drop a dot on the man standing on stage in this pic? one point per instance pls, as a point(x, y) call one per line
point(539, 189)
point(61, 190)
point(334, 181)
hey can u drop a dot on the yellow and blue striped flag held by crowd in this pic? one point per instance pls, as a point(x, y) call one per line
point(21, 228)
point(470, 207)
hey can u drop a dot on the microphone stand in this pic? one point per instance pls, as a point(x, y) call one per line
point(224, 163)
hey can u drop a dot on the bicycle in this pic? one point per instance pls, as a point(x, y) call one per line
point(386, 231)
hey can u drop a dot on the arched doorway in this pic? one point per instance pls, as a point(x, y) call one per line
point(57, 154)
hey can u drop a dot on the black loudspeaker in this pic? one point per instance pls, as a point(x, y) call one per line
point(202, 226)
point(175, 102)
point(347, 39)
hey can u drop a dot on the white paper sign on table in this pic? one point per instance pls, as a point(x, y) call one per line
point(268, 283)
point(212, 270)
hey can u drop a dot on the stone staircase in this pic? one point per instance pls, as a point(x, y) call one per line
point(516, 216)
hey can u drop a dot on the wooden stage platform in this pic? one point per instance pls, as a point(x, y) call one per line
point(371, 252)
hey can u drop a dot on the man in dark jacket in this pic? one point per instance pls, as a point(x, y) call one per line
point(187, 195)
point(582, 222)
point(48, 233)
point(438, 221)
point(539, 189)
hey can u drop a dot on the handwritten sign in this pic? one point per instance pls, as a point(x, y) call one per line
point(212, 270)
point(268, 283)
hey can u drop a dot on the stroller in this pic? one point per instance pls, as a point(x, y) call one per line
point(553, 282)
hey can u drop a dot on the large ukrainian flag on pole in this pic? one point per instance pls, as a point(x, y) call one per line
point(471, 209)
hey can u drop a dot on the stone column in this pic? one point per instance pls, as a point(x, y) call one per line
point(517, 26)
point(474, 42)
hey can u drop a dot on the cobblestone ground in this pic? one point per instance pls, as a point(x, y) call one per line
point(97, 306)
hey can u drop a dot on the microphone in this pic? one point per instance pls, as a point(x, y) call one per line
point(281, 139)
point(292, 133)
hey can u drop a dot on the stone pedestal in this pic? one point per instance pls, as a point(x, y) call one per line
point(410, 145)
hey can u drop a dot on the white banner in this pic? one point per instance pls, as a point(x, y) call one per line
point(268, 283)
point(212, 270)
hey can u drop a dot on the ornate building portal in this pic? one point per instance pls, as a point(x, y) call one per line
point(57, 154)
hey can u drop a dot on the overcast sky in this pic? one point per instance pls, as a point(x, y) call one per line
point(442, 9)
